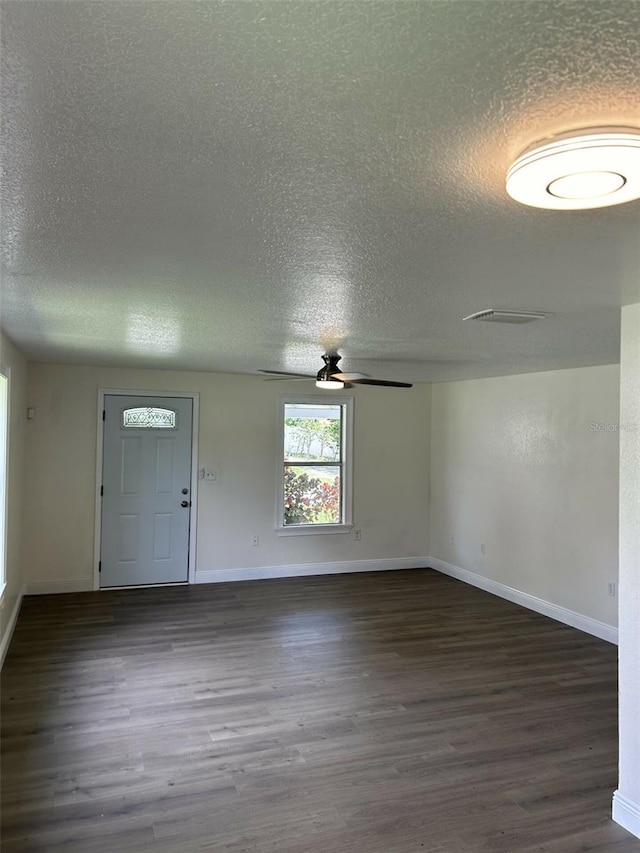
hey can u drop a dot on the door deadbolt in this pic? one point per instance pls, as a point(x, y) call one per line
point(185, 491)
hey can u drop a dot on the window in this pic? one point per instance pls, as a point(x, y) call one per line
point(314, 480)
point(145, 417)
point(4, 472)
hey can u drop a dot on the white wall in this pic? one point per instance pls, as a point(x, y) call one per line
point(11, 358)
point(626, 808)
point(238, 437)
point(516, 465)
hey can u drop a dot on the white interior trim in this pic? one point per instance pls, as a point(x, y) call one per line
point(11, 624)
point(627, 813)
point(306, 569)
point(59, 586)
point(319, 398)
point(313, 529)
point(5, 439)
point(194, 396)
point(531, 602)
point(547, 608)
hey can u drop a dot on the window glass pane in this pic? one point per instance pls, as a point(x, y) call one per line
point(312, 432)
point(312, 495)
point(149, 418)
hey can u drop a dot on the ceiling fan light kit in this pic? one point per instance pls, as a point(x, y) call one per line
point(579, 170)
point(329, 384)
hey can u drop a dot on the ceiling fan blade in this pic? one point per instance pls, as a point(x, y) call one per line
point(288, 378)
point(329, 372)
point(349, 377)
point(384, 382)
point(287, 374)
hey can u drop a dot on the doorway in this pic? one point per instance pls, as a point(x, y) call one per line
point(145, 489)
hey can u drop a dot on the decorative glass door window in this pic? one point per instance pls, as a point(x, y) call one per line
point(148, 418)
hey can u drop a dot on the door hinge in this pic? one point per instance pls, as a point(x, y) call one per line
point(101, 491)
point(100, 566)
point(104, 414)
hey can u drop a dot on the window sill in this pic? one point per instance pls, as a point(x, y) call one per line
point(313, 529)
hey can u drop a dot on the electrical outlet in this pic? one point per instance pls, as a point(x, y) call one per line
point(483, 549)
point(611, 588)
point(255, 541)
point(358, 535)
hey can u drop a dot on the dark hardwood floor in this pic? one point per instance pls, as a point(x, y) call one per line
point(383, 713)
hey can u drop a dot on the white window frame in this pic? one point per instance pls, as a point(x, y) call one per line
point(346, 465)
point(5, 372)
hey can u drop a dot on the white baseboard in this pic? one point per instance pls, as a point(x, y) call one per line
point(254, 573)
point(547, 608)
point(11, 624)
point(48, 587)
point(306, 569)
point(626, 813)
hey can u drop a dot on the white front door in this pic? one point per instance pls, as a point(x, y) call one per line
point(146, 485)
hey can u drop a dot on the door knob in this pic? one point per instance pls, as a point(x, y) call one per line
point(184, 503)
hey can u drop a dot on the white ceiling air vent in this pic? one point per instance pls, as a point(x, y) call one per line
point(491, 315)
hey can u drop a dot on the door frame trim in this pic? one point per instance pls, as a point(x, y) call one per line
point(129, 392)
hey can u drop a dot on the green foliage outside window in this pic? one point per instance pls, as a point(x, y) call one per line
point(310, 500)
point(313, 466)
point(302, 433)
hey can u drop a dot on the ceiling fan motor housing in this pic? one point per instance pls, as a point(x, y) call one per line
point(326, 373)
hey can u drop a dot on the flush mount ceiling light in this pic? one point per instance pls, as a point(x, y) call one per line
point(595, 167)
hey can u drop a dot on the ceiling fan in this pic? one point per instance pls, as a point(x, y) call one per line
point(330, 377)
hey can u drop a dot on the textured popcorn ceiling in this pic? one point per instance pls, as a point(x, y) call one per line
point(232, 185)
